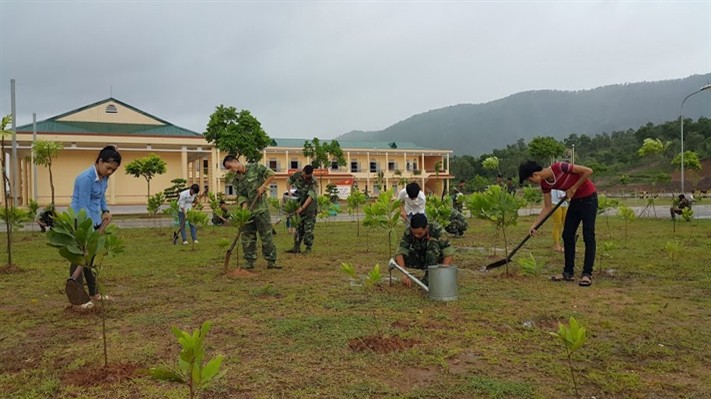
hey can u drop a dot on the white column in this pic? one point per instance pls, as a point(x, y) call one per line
point(184, 162)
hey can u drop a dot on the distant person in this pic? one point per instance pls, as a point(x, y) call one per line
point(558, 218)
point(186, 199)
point(224, 219)
point(678, 206)
point(46, 218)
point(251, 182)
point(90, 195)
point(307, 195)
point(510, 186)
point(574, 180)
point(412, 201)
point(422, 245)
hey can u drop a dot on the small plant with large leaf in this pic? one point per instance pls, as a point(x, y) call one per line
point(191, 369)
point(355, 200)
point(74, 236)
point(532, 195)
point(32, 208)
point(238, 218)
point(373, 276)
point(672, 248)
point(384, 213)
point(154, 203)
point(573, 337)
point(604, 204)
point(497, 206)
point(628, 216)
point(530, 266)
point(198, 219)
point(439, 210)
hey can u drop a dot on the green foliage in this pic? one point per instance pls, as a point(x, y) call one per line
point(154, 203)
point(355, 200)
point(628, 216)
point(173, 191)
point(348, 269)
point(530, 266)
point(438, 210)
point(497, 206)
point(45, 151)
point(76, 240)
point(691, 160)
point(687, 214)
point(275, 203)
point(373, 276)
point(238, 134)
point(490, 163)
point(32, 208)
point(191, 369)
point(197, 218)
point(604, 204)
point(323, 153)
point(324, 204)
point(172, 210)
point(545, 149)
point(384, 213)
point(573, 337)
point(332, 192)
point(532, 195)
point(651, 147)
point(15, 217)
point(147, 167)
point(673, 248)
point(604, 250)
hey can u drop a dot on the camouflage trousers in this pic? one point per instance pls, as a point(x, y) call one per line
point(305, 231)
point(457, 224)
point(260, 223)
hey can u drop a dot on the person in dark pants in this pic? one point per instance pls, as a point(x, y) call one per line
point(90, 195)
point(581, 192)
point(422, 245)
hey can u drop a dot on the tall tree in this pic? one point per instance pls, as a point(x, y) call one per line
point(239, 134)
point(146, 167)
point(45, 152)
point(322, 154)
point(545, 149)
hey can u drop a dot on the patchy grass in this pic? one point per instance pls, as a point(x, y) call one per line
point(306, 331)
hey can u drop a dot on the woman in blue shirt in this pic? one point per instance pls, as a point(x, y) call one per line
point(90, 194)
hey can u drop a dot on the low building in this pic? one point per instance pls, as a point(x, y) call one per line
point(370, 166)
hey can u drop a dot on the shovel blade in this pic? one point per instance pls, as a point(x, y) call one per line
point(498, 263)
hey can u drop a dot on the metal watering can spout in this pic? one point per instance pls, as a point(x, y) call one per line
point(393, 265)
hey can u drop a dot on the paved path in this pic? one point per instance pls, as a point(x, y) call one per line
point(141, 219)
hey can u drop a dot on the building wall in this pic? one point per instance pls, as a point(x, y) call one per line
point(99, 114)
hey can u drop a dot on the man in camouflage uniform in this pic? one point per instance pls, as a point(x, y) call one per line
point(422, 246)
point(306, 189)
point(251, 182)
point(457, 224)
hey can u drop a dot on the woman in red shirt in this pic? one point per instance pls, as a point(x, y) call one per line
point(581, 192)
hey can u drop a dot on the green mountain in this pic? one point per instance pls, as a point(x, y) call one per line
point(475, 129)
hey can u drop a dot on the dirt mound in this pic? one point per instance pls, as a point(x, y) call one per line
point(10, 269)
point(380, 344)
point(93, 376)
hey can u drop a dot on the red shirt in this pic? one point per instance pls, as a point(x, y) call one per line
point(564, 178)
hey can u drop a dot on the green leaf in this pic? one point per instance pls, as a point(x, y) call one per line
point(210, 370)
point(165, 374)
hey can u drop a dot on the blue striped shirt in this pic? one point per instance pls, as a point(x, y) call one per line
point(90, 194)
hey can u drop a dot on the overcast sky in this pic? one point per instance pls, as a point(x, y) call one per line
point(322, 68)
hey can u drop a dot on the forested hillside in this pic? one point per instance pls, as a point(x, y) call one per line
point(474, 129)
point(614, 156)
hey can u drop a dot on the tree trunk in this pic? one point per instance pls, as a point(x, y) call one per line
point(5, 185)
point(51, 181)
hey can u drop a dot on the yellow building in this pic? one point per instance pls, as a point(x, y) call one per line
point(370, 166)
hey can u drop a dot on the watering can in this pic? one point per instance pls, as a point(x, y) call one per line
point(442, 281)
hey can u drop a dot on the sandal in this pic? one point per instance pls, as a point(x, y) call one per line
point(585, 281)
point(562, 277)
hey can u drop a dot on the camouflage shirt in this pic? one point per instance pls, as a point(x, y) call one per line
point(427, 251)
point(247, 183)
point(305, 190)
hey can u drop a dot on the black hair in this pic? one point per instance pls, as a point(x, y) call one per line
point(308, 169)
point(527, 169)
point(418, 221)
point(413, 190)
point(109, 154)
point(195, 188)
point(228, 158)
point(222, 202)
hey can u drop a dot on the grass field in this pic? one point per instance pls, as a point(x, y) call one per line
point(307, 332)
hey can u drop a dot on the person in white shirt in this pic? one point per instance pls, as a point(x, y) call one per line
point(412, 201)
point(558, 218)
point(185, 203)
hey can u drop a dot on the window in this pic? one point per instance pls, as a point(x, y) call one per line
point(230, 190)
point(273, 165)
point(395, 188)
point(392, 166)
point(111, 109)
point(373, 166)
point(334, 165)
point(294, 164)
point(355, 168)
point(273, 191)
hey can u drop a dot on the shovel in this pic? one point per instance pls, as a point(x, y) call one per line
point(508, 258)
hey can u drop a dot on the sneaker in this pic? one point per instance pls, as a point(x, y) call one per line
point(196, 242)
point(101, 298)
point(294, 250)
point(185, 243)
point(87, 305)
point(273, 265)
